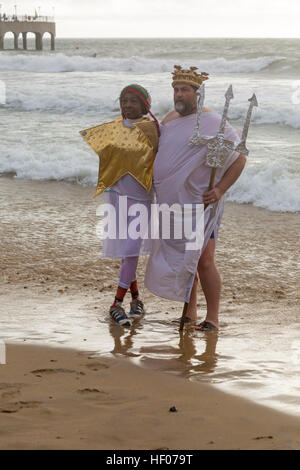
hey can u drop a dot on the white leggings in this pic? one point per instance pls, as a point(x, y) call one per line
point(128, 271)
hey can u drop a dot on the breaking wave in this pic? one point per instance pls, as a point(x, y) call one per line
point(59, 63)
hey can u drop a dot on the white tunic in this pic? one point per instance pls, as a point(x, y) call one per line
point(180, 175)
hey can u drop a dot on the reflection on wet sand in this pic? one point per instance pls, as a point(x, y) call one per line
point(238, 367)
point(186, 356)
point(205, 362)
point(123, 345)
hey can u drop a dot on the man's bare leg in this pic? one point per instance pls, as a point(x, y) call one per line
point(210, 280)
point(192, 307)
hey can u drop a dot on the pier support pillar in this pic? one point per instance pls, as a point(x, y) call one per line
point(16, 38)
point(52, 42)
point(38, 42)
point(24, 41)
point(1, 43)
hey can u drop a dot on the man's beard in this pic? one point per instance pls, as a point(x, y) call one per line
point(184, 108)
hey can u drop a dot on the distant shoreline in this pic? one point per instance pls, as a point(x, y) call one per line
point(178, 38)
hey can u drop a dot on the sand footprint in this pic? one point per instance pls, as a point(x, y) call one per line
point(10, 389)
point(87, 391)
point(96, 366)
point(38, 372)
point(17, 406)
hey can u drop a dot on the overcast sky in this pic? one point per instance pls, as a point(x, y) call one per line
point(167, 18)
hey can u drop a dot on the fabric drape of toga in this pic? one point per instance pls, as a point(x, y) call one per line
point(181, 175)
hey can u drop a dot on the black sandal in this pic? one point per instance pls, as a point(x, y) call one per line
point(205, 326)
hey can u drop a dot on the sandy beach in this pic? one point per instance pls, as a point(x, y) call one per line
point(56, 290)
point(66, 399)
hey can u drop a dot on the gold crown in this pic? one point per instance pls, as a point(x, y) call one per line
point(188, 76)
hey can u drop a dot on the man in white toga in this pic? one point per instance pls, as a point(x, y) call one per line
point(181, 176)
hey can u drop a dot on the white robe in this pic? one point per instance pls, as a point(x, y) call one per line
point(181, 175)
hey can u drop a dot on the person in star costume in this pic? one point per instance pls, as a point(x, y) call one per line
point(126, 149)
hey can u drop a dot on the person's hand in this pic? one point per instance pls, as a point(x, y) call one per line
point(212, 196)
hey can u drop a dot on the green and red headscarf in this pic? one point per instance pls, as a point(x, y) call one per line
point(144, 96)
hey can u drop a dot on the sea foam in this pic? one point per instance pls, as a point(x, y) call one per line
point(271, 184)
point(62, 99)
point(58, 63)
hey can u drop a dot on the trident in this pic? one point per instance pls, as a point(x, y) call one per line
point(218, 147)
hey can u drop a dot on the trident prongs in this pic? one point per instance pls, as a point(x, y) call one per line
point(228, 96)
point(195, 136)
point(218, 147)
point(241, 147)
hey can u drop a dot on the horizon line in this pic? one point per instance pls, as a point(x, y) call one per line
point(178, 37)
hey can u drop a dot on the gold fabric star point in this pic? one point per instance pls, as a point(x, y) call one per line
point(123, 150)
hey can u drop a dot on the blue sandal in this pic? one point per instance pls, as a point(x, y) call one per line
point(117, 313)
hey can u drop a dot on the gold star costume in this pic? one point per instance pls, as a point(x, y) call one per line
point(123, 150)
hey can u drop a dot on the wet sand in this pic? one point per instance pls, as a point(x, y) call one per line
point(55, 290)
point(64, 399)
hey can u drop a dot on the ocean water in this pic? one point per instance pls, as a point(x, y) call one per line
point(47, 97)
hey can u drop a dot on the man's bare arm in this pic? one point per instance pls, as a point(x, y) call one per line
point(229, 178)
point(232, 173)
